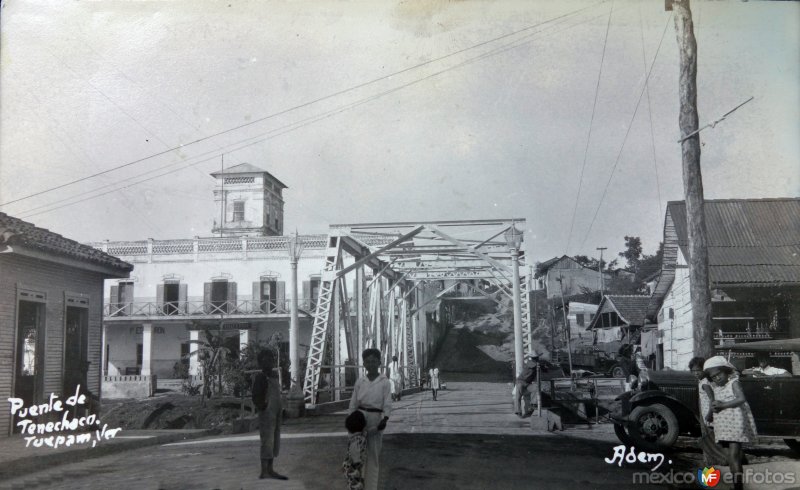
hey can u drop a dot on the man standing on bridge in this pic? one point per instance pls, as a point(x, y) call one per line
point(372, 394)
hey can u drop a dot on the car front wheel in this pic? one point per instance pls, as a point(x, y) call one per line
point(619, 371)
point(654, 427)
point(623, 435)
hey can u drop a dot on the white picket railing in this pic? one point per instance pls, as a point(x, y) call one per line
point(200, 308)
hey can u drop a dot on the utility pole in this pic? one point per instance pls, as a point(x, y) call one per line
point(693, 181)
point(600, 271)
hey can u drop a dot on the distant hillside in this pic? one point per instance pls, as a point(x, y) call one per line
point(478, 349)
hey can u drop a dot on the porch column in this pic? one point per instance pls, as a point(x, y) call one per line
point(194, 336)
point(244, 339)
point(103, 360)
point(147, 348)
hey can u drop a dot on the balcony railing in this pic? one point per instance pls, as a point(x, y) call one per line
point(213, 245)
point(203, 308)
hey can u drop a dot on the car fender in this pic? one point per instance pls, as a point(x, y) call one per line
point(625, 396)
point(641, 396)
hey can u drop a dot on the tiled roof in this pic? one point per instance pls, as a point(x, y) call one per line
point(14, 231)
point(632, 309)
point(750, 241)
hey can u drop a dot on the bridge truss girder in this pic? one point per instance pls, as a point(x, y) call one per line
point(406, 262)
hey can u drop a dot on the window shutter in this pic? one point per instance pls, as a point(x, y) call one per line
point(160, 296)
point(113, 301)
point(257, 307)
point(207, 297)
point(228, 211)
point(281, 296)
point(231, 297)
point(306, 295)
point(128, 299)
point(128, 293)
point(183, 294)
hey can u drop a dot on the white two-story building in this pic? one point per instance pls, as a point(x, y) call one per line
point(236, 282)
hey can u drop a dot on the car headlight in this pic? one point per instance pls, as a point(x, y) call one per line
point(633, 381)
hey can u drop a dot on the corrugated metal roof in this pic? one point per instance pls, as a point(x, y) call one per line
point(750, 241)
point(14, 231)
point(541, 268)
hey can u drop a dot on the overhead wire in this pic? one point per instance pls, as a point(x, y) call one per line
point(300, 106)
point(627, 132)
point(589, 135)
point(297, 125)
point(74, 148)
point(650, 117)
point(150, 93)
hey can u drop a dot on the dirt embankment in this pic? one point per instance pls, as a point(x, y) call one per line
point(171, 411)
point(475, 350)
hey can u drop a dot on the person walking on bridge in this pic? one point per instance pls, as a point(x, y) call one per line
point(372, 395)
point(436, 384)
point(396, 379)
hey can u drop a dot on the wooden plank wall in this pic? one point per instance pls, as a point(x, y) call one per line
point(54, 280)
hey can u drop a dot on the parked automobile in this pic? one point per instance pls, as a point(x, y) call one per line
point(611, 359)
point(664, 404)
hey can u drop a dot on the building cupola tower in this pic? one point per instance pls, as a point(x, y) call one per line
point(249, 202)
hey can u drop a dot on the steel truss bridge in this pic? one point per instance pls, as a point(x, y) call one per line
point(391, 284)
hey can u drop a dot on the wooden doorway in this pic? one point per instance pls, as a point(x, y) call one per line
point(76, 364)
point(29, 365)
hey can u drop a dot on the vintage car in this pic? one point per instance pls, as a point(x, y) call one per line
point(663, 405)
point(602, 359)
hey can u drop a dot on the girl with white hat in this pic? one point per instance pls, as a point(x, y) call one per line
point(733, 420)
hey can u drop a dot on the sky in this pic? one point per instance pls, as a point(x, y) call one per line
point(389, 111)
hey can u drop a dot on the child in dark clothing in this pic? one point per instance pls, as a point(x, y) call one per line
point(705, 391)
point(353, 466)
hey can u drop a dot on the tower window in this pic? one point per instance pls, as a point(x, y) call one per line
point(238, 211)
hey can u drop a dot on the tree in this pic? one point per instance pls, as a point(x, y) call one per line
point(238, 373)
point(210, 352)
point(649, 264)
point(589, 262)
point(633, 252)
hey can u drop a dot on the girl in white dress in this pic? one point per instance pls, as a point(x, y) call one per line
point(733, 420)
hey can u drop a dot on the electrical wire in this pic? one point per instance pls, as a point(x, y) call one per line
point(297, 125)
point(627, 132)
point(294, 108)
point(650, 117)
point(589, 135)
